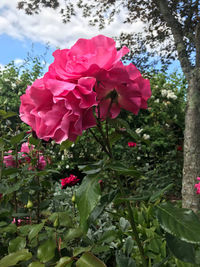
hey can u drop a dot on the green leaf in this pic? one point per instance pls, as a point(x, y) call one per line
point(158, 194)
point(124, 224)
point(87, 197)
point(114, 137)
point(36, 264)
point(64, 219)
point(24, 230)
point(2, 144)
point(80, 250)
point(89, 260)
point(33, 141)
point(129, 243)
point(35, 229)
point(137, 198)
point(66, 145)
point(9, 171)
point(64, 262)
point(16, 244)
point(123, 261)
point(13, 258)
point(73, 233)
point(92, 171)
point(108, 236)
point(46, 251)
point(11, 228)
point(6, 115)
point(100, 249)
point(181, 250)
point(124, 170)
point(15, 140)
point(182, 223)
point(183, 264)
point(104, 201)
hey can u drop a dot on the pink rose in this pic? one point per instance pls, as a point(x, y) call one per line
point(9, 160)
point(60, 105)
point(122, 87)
point(86, 58)
point(62, 110)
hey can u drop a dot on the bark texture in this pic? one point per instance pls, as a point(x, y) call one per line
point(191, 167)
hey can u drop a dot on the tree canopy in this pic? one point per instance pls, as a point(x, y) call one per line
point(172, 23)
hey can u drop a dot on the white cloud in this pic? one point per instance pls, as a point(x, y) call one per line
point(18, 61)
point(2, 66)
point(48, 26)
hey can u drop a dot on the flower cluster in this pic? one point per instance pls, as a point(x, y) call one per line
point(24, 157)
point(69, 181)
point(20, 222)
point(84, 82)
point(169, 94)
point(197, 186)
point(132, 144)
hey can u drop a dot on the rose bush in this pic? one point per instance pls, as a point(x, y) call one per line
point(25, 155)
point(87, 75)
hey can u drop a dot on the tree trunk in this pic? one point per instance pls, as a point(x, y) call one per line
point(191, 168)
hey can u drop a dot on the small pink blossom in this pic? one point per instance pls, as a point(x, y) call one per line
point(132, 144)
point(21, 221)
point(197, 186)
point(24, 157)
point(69, 181)
point(9, 160)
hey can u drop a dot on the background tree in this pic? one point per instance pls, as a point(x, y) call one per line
point(175, 26)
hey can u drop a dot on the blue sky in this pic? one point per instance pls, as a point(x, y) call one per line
point(14, 49)
point(21, 34)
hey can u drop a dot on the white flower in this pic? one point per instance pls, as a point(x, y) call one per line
point(63, 157)
point(138, 130)
point(146, 136)
point(73, 145)
point(164, 92)
point(67, 166)
point(13, 85)
point(171, 95)
point(8, 122)
point(167, 125)
point(138, 158)
point(157, 100)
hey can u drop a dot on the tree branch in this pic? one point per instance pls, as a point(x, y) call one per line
point(178, 35)
point(197, 43)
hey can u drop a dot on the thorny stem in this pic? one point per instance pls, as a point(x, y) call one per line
point(15, 193)
point(130, 211)
point(100, 142)
point(133, 224)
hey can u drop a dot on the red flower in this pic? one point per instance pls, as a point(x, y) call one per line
point(132, 144)
point(179, 148)
point(69, 181)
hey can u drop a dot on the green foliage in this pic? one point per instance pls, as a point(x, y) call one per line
point(40, 224)
point(177, 221)
point(89, 260)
